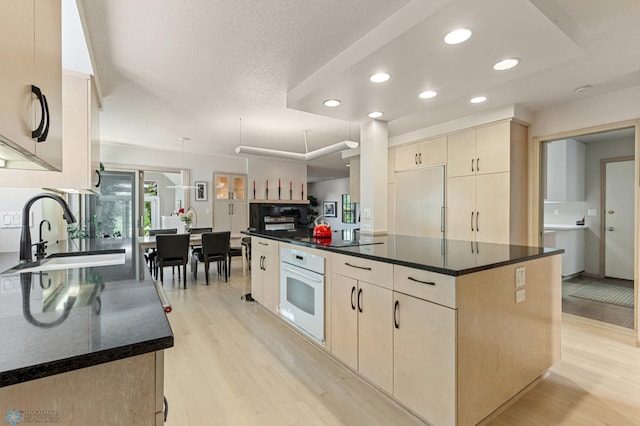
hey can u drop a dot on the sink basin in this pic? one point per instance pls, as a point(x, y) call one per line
point(72, 261)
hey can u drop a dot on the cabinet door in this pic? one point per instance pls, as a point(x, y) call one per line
point(492, 208)
point(48, 75)
point(257, 288)
point(424, 359)
point(16, 73)
point(406, 157)
point(433, 152)
point(222, 187)
point(344, 319)
point(493, 148)
point(418, 208)
point(238, 218)
point(461, 208)
point(461, 153)
point(238, 188)
point(222, 216)
point(270, 282)
point(375, 334)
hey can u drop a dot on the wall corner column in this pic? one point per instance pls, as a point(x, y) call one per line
point(374, 145)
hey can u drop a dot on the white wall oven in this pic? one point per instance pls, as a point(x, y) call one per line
point(302, 291)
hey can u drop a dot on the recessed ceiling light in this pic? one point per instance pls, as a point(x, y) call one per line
point(457, 36)
point(478, 99)
point(379, 77)
point(506, 64)
point(375, 114)
point(428, 94)
point(331, 103)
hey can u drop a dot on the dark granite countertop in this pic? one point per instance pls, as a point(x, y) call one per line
point(449, 257)
point(57, 321)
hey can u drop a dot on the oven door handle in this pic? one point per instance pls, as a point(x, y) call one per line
point(300, 274)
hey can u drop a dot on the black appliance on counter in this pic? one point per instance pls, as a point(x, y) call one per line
point(285, 218)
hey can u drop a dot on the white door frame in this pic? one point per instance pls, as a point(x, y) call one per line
point(536, 206)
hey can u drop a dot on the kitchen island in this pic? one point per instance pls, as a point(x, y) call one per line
point(452, 330)
point(83, 345)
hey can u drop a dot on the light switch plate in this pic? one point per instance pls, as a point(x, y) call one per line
point(592, 212)
point(520, 276)
point(366, 213)
point(520, 295)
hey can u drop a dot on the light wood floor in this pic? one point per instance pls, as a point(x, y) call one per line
point(234, 364)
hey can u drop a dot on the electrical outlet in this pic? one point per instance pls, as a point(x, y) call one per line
point(520, 276)
point(556, 212)
point(520, 295)
point(592, 212)
point(366, 213)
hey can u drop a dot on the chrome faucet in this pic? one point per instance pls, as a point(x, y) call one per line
point(25, 235)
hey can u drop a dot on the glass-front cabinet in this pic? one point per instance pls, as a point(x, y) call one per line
point(230, 187)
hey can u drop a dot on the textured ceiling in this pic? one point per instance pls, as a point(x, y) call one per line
point(195, 67)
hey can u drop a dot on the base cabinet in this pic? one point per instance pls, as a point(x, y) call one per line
point(265, 276)
point(424, 358)
point(362, 332)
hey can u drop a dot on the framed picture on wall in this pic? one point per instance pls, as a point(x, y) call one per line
point(329, 208)
point(201, 191)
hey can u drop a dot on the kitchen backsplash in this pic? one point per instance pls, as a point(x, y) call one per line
point(567, 213)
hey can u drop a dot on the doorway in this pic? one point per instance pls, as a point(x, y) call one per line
point(574, 215)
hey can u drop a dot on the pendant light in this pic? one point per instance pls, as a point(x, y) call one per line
point(183, 173)
point(307, 156)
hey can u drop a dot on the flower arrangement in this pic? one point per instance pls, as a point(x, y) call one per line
point(186, 218)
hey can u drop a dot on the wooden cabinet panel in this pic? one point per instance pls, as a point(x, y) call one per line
point(461, 153)
point(424, 359)
point(375, 334)
point(406, 157)
point(422, 154)
point(492, 208)
point(461, 208)
point(492, 148)
point(265, 273)
point(418, 208)
point(427, 285)
point(271, 282)
point(379, 273)
point(344, 319)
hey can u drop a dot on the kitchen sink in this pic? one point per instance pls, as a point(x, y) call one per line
point(70, 261)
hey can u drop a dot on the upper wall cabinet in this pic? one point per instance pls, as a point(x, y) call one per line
point(565, 170)
point(479, 151)
point(81, 130)
point(422, 154)
point(31, 80)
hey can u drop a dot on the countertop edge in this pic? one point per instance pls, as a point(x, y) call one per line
point(431, 268)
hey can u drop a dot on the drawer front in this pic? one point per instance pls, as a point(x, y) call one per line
point(264, 245)
point(378, 273)
point(425, 285)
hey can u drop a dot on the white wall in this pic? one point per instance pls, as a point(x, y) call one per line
point(290, 172)
point(332, 190)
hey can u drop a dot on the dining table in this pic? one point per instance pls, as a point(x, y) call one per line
point(146, 242)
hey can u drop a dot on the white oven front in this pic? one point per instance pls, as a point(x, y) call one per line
point(302, 291)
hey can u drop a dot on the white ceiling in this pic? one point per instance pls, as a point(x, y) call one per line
point(194, 68)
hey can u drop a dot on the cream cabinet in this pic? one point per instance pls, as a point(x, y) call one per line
point(230, 187)
point(486, 184)
point(422, 154)
point(230, 211)
point(265, 273)
point(424, 358)
point(31, 80)
point(81, 131)
point(565, 170)
point(361, 317)
point(480, 150)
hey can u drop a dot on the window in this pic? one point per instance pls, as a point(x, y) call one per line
point(348, 209)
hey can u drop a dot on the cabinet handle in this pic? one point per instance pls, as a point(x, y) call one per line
point(477, 164)
point(420, 281)
point(471, 242)
point(415, 159)
point(477, 217)
point(472, 160)
point(232, 212)
point(396, 308)
point(264, 244)
point(262, 263)
point(442, 219)
point(366, 268)
point(99, 178)
point(44, 114)
point(353, 302)
point(420, 158)
point(45, 133)
point(360, 300)
point(471, 221)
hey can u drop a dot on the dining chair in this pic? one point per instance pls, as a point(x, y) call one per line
point(173, 250)
point(151, 254)
point(215, 248)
